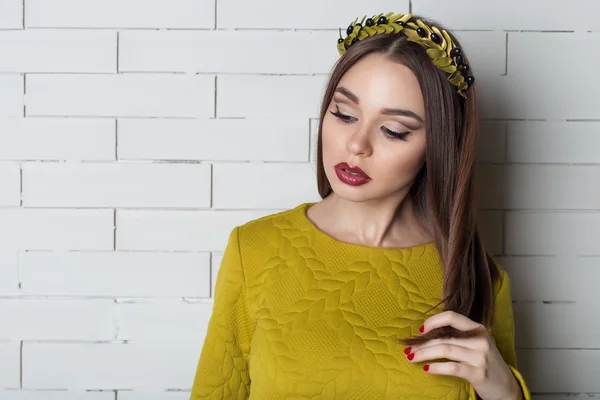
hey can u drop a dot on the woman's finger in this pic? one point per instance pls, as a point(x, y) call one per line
point(450, 318)
point(435, 342)
point(447, 351)
point(464, 371)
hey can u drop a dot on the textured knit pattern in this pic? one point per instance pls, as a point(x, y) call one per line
point(299, 314)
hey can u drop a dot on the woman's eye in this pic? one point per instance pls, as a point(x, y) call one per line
point(389, 134)
point(395, 135)
point(343, 117)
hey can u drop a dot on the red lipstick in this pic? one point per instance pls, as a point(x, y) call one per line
point(353, 176)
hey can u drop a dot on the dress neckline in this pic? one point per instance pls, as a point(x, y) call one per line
point(304, 208)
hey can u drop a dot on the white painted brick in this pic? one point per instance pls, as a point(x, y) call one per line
point(246, 185)
point(491, 185)
point(531, 92)
point(122, 95)
point(486, 52)
point(272, 52)
point(539, 187)
point(556, 325)
point(120, 13)
point(554, 187)
point(56, 395)
point(116, 185)
point(57, 229)
point(10, 182)
point(11, 95)
point(57, 139)
point(491, 146)
point(9, 272)
point(216, 260)
point(532, 15)
point(490, 228)
point(323, 51)
point(115, 274)
point(145, 395)
point(110, 365)
point(317, 14)
point(561, 370)
point(11, 14)
point(213, 139)
point(269, 96)
point(10, 364)
point(49, 50)
point(552, 233)
point(553, 278)
point(26, 319)
point(553, 141)
point(164, 320)
point(179, 230)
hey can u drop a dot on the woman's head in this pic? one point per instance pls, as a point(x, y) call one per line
point(424, 153)
point(389, 71)
point(362, 128)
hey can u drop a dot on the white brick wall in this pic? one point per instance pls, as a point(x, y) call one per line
point(128, 130)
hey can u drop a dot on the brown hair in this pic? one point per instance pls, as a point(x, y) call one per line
point(443, 192)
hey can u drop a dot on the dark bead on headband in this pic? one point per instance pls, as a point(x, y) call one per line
point(399, 23)
point(459, 59)
point(349, 30)
point(382, 20)
point(340, 40)
point(463, 68)
point(369, 22)
point(470, 80)
point(421, 32)
point(454, 52)
point(435, 38)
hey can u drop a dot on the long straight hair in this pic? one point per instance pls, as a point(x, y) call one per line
point(443, 192)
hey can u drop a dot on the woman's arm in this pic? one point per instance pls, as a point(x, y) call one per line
point(503, 330)
point(222, 371)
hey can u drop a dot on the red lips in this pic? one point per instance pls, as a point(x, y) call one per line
point(355, 169)
point(356, 178)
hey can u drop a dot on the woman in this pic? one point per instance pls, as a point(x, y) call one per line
point(383, 289)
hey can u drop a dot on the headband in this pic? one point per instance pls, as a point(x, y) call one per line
point(440, 47)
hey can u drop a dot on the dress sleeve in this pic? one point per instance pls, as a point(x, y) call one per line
point(222, 371)
point(503, 328)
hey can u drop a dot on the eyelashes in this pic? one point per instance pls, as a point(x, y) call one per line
point(389, 134)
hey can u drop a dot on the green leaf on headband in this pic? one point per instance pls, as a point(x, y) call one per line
point(422, 25)
point(457, 80)
point(362, 34)
point(412, 35)
point(369, 30)
point(388, 28)
point(449, 69)
point(443, 43)
point(442, 62)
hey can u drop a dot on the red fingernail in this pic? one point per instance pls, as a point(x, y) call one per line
point(422, 328)
point(407, 350)
point(426, 367)
point(411, 356)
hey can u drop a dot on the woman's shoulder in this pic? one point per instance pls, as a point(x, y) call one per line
point(286, 219)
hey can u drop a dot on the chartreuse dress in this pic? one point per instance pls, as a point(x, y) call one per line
point(298, 314)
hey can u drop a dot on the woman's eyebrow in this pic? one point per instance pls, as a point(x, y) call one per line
point(385, 111)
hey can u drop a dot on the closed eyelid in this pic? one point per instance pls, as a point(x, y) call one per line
point(405, 125)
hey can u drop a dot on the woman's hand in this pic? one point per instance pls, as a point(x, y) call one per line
point(478, 359)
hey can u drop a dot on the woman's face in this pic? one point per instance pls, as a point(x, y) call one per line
point(388, 145)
